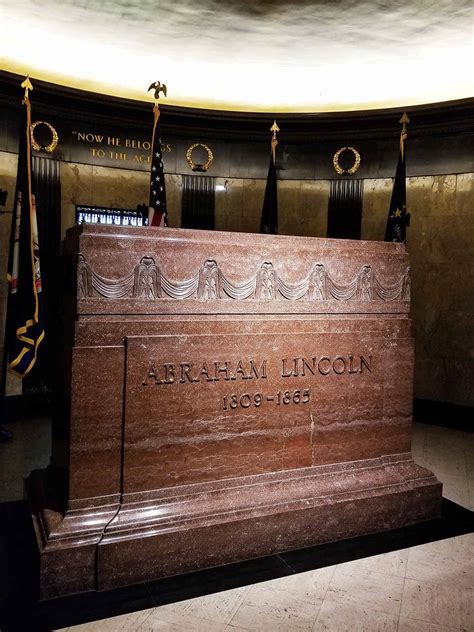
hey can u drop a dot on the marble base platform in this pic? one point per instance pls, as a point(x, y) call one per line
point(210, 524)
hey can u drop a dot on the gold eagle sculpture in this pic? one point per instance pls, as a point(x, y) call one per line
point(158, 87)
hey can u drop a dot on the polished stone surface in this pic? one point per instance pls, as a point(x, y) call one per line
point(319, 599)
point(440, 244)
point(232, 396)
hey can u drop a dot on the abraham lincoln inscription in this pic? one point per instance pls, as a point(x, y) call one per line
point(232, 396)
point(169, 373)
point(266, 409)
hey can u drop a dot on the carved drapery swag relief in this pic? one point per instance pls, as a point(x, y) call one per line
point(147, 281)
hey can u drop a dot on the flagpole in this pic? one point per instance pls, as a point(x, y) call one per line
point(27, 86)
point(398, 219)
point(274, 128)
point(156, 118)
point(269, 217)
point(156, 166)
point(404, 121)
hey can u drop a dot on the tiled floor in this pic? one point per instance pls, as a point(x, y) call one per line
point(426, 588)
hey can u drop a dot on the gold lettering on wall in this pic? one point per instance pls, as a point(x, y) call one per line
point(96, 141)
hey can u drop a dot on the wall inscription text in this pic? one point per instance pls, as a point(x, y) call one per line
point(117, 148)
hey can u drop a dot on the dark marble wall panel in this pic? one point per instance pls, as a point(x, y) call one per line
point(103, 131)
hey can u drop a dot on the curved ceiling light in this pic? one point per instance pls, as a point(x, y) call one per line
point(305, 56)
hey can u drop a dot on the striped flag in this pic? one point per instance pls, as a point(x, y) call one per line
point(157, 213)
point(25, 328)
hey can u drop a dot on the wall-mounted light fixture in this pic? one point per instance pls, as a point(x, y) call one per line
point(222, 187)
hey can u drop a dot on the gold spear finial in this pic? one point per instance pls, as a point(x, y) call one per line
point(404, 121)
point(27, 85)
point(274, 128)
point(403, 134)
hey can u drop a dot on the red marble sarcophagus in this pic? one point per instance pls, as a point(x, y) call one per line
point(232, 396)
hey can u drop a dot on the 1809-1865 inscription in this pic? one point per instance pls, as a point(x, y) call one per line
point(273, 397)
point(231, 370)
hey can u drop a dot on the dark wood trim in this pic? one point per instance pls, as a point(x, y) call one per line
point(451, 117)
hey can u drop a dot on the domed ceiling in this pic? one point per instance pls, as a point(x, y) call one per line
point(260, 55)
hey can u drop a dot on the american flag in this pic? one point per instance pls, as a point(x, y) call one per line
point(157, 213)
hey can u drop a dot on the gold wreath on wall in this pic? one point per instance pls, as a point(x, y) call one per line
point(54, 140)
point(199, 167)
point(351, 170)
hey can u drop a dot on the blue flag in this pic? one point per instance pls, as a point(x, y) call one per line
point(398, 218)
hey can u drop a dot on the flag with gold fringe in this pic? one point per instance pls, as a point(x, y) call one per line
point(269, 219)
point(25, 328)
point(398, 218)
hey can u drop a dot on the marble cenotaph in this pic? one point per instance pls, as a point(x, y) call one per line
point(231, 396)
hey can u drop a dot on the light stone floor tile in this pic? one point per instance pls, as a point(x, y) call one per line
point(123, 623)
point(469, 452)
point(267, 610)
point(310, 586)
point(430, 586)
point(367, 589)
point(417, 453)
point(457, 489)
point(342, 617)
point(453, 442)
point(449, 562)
point(168, 621)
point(441, 604)
point(449, 464)
point(470, 486)
point(393, 563)
point(419, 436)
point(218, 607)
point(412, 625)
